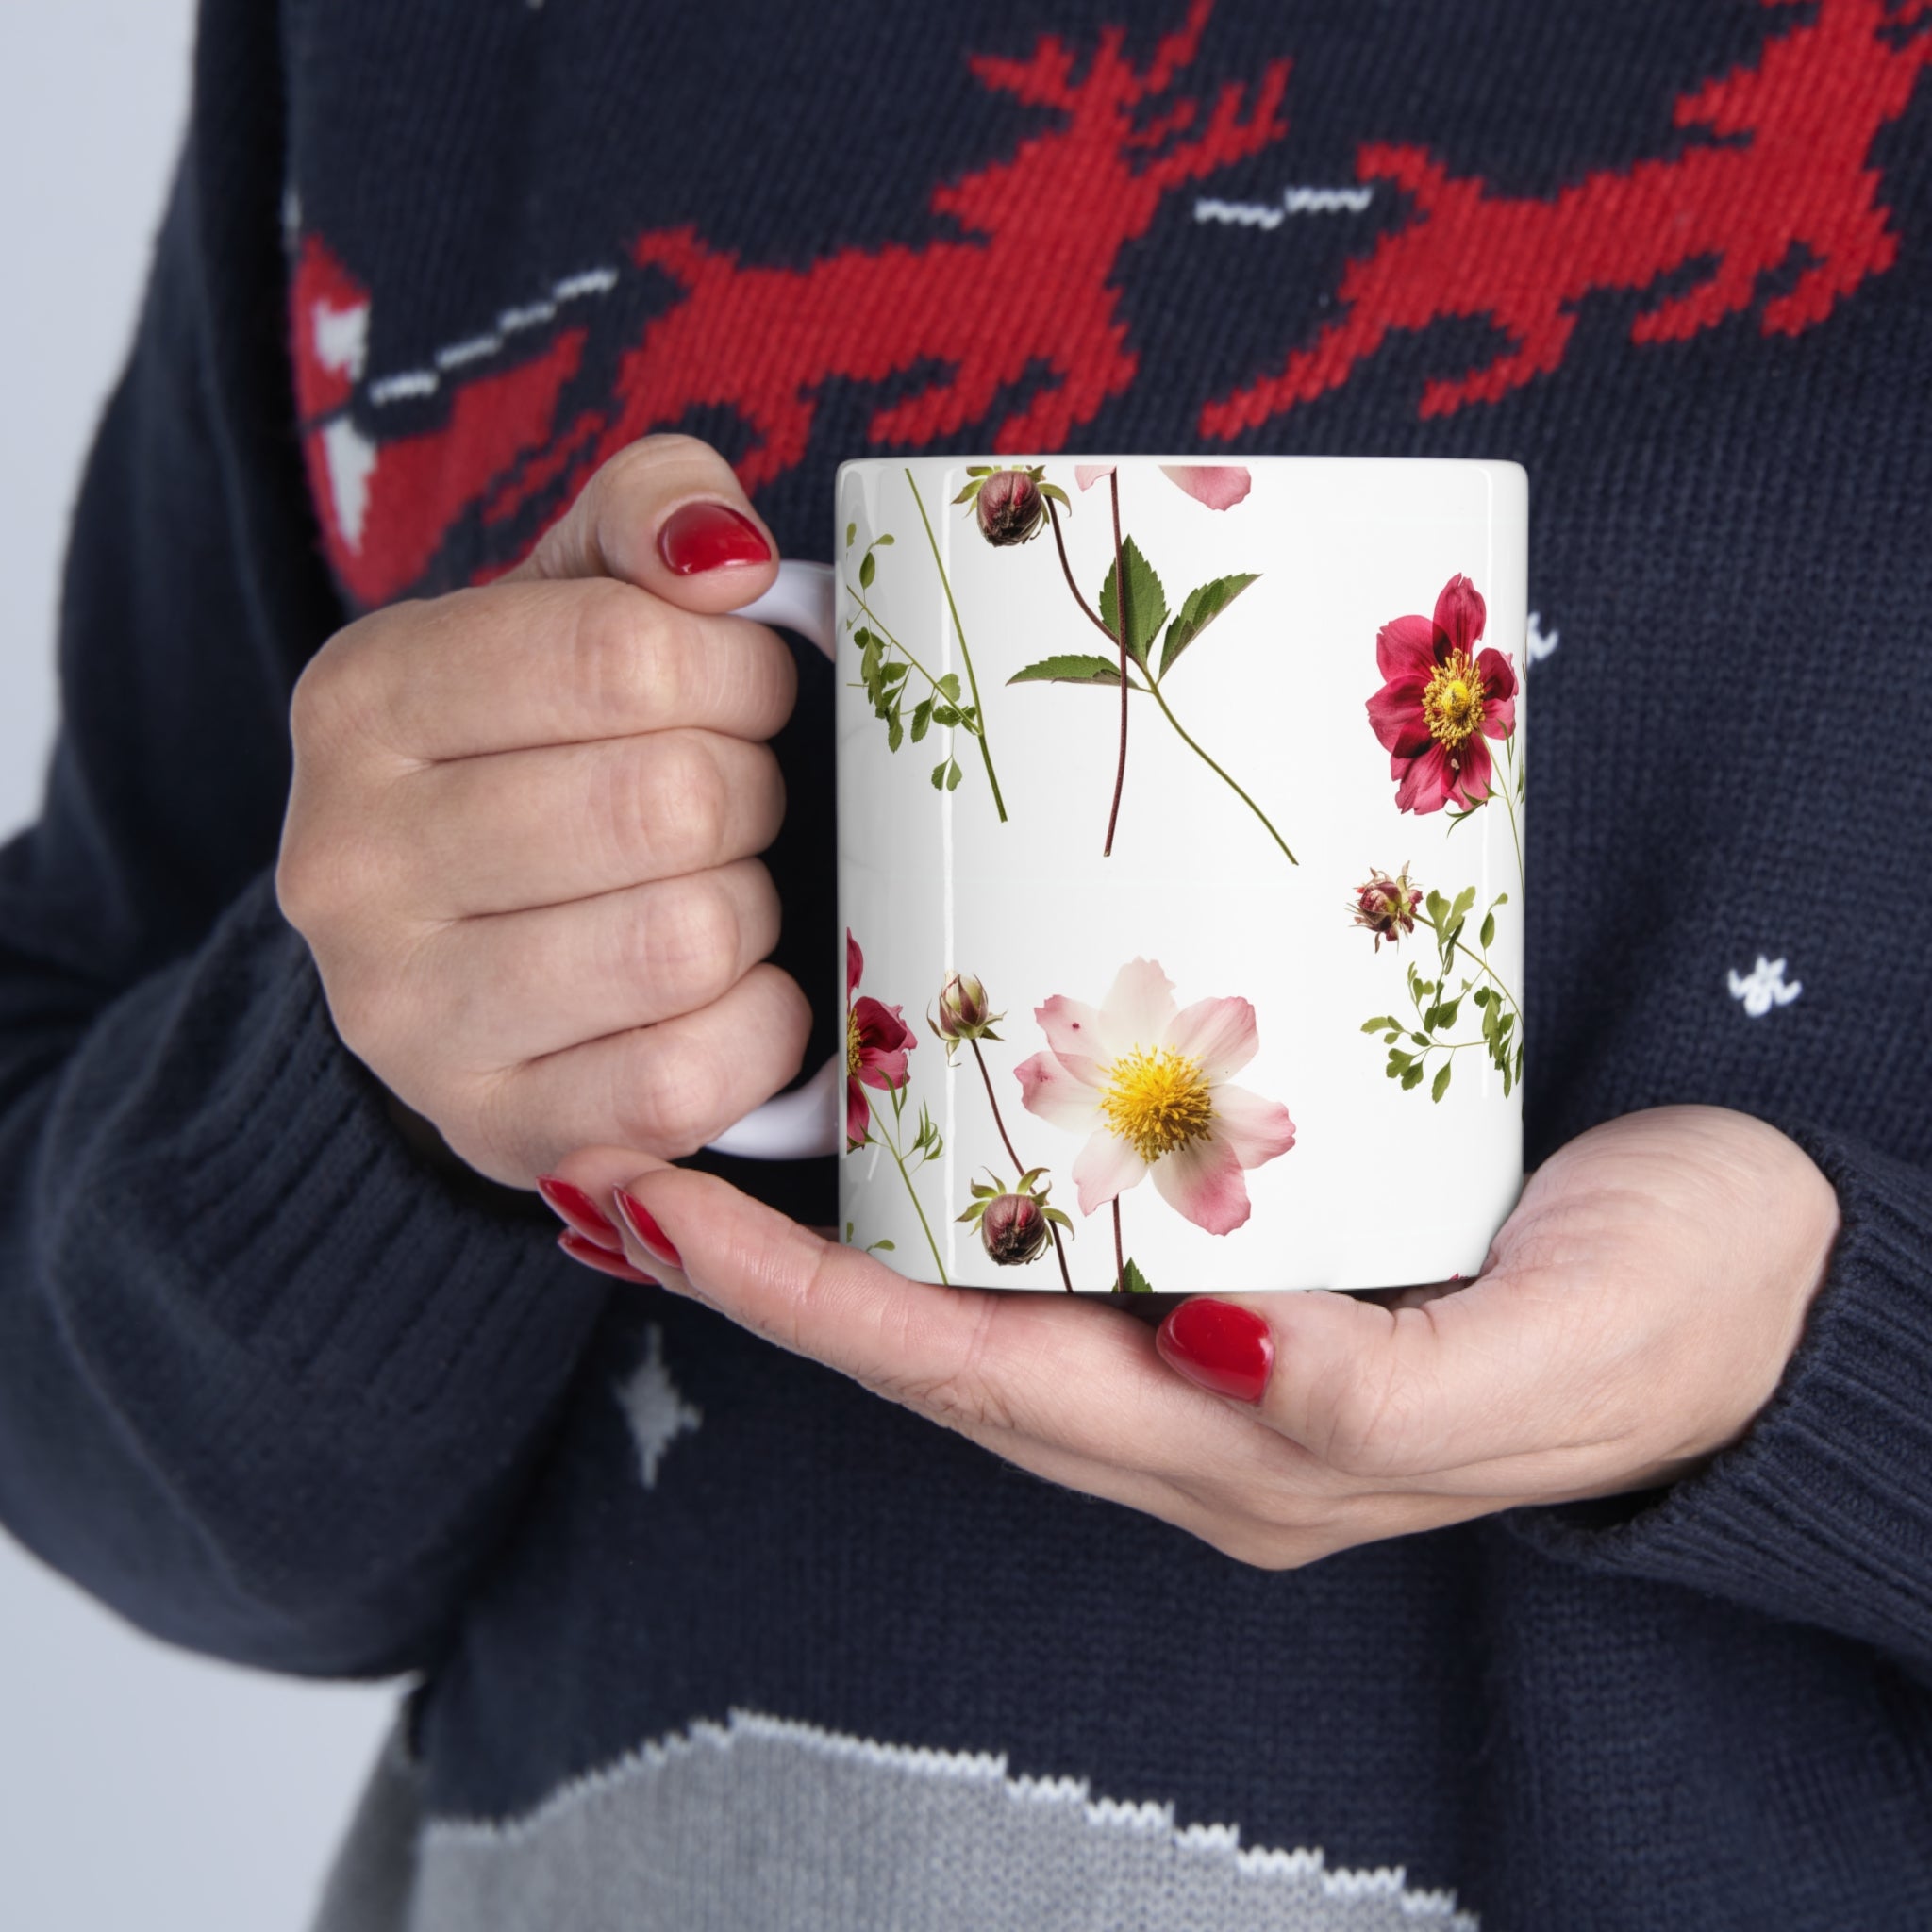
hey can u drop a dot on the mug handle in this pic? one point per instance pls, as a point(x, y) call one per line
point(807, 1120)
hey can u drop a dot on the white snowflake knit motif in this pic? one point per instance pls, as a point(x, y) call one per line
point(656, 1412)
point(1764, 986)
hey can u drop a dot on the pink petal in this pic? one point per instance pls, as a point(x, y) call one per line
point(1088, 474)
point(1395, 716)
point(879, 1069)
point(1499, 693)
point(1076, 1033)
point(1406, 649)
point(855, 960)
point(1426, 784)
point(1138, 1008)
point(1474, 782)
point(1104, 1168)
point(1047, 1089)
point(1461, 612)
point(1255, 1129)
point(1220, 486)
point(1203, 1181)
point(857, 1115)
point(1220, 1034)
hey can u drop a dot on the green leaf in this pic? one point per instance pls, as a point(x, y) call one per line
point(953, 775)
point(892, 673)
point(848, 1225)
point(944, 714)
point(1413, 1077)
point(1376, 1024)
point(948, 686)
point(1436, 907)
point(939, 773)
point(1399, 1061)
point(971, 490)
point(1073, 668)
point(1058, 1220)
point(1202, 607)
point(1446, 1014)
point(1131, 1277)
point(1058, 496)
point(1439, 1085)
point(884, 543)
point(895, 731)
point(1486, 935)
point(851, 537)
point(922, 717)
point(884, 1247)
point(1464, 900)
point(979, 469)
point(868, 568)
point(1146, 604)
point(1481, 995)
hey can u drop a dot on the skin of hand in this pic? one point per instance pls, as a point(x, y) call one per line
point(1635, 1313)
point(521, 832)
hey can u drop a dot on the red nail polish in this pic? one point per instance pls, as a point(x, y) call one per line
point(602, 1259)
point(709, 536)
point(574, 1207)
point(1222, 1347)
point(649, 1236)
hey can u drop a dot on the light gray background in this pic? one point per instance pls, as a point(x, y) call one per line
point(139, 1787)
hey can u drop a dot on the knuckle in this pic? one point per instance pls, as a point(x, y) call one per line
point(1368, 1426)
point(684, 806)
point(604, 654)
point(690, 946)
point(673, 1098)
point(959, 1394)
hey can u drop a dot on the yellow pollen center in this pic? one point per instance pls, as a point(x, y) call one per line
point(1157, 1100)
point(1453, 701)
point(851, 1042)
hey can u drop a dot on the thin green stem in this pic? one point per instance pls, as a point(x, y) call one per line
point(897, 646)
point(1221, 775)
point(1509, 805)
point(1478, 958)
point(898, 1161)
point(979, 710)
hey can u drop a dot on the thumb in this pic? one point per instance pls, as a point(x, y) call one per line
point(668, 515)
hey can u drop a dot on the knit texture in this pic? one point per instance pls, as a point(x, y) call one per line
point(275, 1387)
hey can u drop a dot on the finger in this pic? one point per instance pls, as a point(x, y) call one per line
point(668, 515)
point(535, 983)
point(533, 829)
point(533, 663)
point(666, 1089)
point(1396, 1394)
point(1081, 1381)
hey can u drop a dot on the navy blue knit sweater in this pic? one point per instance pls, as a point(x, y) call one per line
point(708, 1636)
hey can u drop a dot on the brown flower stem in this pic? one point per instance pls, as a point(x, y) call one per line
point(1092, 616)
point(1120, 1259)
point(1217, 770)
point(1019, 1165)
point(1120, 619)
point(898, 1161)
point(966, 656)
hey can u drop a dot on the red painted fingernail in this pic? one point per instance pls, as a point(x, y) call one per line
point(1222, 1347)
point(602, 1259)
point(573, 1206)
point(649, 1236)
point(709, 536)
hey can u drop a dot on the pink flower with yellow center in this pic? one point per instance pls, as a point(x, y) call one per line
point(1147, 1082)
point(876, 1043)
point(1441, 701)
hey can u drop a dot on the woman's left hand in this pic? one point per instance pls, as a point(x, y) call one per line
point(1635, 1313)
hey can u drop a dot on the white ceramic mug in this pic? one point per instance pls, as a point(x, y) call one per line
point(1221, 994)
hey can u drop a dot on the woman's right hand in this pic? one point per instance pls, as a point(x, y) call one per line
point(520, 840)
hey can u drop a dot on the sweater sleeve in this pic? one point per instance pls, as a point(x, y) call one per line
point(269, 1386)
point(1821, 1513)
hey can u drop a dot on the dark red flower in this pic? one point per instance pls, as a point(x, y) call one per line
point(1013, 1229)
point(1010, 506)
point(1442, 700)
point(876, 1043)
point(1386, 905)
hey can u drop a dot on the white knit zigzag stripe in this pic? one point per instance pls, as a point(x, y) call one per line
point(766, 1825)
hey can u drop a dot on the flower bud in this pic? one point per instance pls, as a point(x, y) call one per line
point(1013, 1229)
point(1009, 506)
point(965, 1010)
point(1386, 907)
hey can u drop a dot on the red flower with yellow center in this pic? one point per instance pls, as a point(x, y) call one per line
point(876, 1043)
point(1441, 701)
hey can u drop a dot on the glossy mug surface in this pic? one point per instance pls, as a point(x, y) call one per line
point(1221, 994)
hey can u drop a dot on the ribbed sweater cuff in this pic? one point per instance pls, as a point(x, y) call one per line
point(256, 1167)
point(1821, 1514)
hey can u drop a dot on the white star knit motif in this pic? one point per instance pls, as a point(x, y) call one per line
point(656, 1412)
point(1764, 986)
